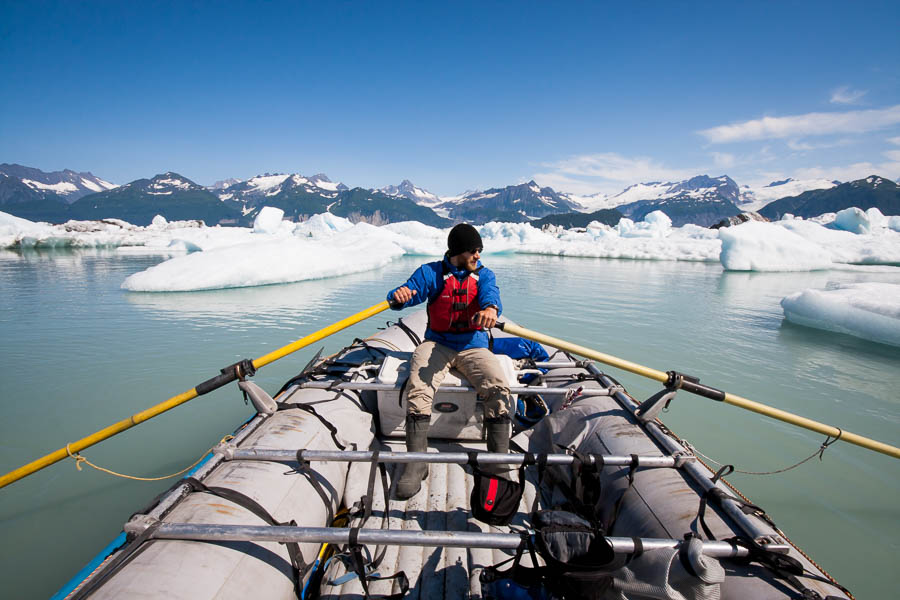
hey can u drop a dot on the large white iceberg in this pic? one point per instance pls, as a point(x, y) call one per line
point(799, 245)
point(263, 263)
point(755, 246)
point(867, 310)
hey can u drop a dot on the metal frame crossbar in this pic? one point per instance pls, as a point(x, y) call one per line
point(390, 387)
point(487, 458)
point(454, 539)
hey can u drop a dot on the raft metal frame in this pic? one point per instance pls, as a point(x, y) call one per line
point(382, 537)
point(461, 389)
point(460, 458)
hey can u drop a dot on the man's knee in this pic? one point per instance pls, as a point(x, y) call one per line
point(496, 402)
point(419, 404)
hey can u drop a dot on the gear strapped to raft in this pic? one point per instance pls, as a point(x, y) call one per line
point(352, 554)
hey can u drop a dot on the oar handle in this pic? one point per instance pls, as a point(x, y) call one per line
point(228, 375)
point(706, 391)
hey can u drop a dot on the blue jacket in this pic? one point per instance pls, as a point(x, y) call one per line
point(428, 281)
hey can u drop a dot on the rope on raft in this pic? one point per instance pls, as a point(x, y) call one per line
point(79, 459)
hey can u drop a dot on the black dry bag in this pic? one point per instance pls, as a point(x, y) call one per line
point(495, 500)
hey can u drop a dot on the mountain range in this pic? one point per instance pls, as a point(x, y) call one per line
point(702, 200)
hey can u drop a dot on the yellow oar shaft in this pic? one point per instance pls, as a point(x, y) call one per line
point(174, 401)
point(775, 413)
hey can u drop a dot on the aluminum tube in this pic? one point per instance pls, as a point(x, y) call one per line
point(388, 537)
point(389, 387)
point(754, 528)
point(435, 457)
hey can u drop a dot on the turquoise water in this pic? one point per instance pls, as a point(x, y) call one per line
point(78, 354)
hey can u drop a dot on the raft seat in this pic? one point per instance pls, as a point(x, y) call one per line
point(456, 414)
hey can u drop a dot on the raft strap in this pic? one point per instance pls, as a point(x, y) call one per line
point(304, 468)
point(328, 425)
point(359, 567)
point(783, 566)
point(412, 335)
point(298, 565)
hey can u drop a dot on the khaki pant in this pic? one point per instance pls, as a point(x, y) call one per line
point(431, 362)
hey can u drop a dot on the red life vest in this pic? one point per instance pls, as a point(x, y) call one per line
point(453, 309)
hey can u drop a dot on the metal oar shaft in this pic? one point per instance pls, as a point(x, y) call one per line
point(390, 387)
point(459, 458)
point(174, 401)
point(744, 403)
point(381, 537)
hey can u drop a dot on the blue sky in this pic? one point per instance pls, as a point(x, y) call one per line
point(585, 97)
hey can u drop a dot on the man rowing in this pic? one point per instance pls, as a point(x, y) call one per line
point(463, 303)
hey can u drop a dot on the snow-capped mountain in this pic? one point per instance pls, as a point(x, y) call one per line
point(701, 200)
point(418, 195)
point(291, 192)
point(514, 203)
point(67, 184)
point(171, 195)
point(871, 192)
point(755, 197)
point(221, 185)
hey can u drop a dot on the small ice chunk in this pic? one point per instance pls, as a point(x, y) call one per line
point(322, 225)
point(876, 217)
point(159, 222)
point(853, 220)
point(869, 311)
point(268, 220)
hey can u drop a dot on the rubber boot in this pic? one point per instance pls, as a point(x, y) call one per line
point(416, 441)
point(498, 441)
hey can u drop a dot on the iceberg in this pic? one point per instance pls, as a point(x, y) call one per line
point(870, 311)
point(791, 244)
point(270, 220)
point(756, 246)
point(264, 263)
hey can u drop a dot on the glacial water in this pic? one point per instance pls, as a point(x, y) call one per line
point(78, 353)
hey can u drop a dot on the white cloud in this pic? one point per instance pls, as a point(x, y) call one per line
point(606, 172)
point(810, 124)
point(723, 159)
point(894, 140)
point(890, 169)
point(844, 95)
point(804, 146)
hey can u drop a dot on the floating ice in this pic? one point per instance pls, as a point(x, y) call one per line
point(755, 246)
point(866, 310)
point(322, 225)
point(262, 263)
point(853, 220)
point(269, 220)
point(788, 245)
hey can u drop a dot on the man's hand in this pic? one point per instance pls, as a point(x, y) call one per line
point(486, 318)
point(403, 295)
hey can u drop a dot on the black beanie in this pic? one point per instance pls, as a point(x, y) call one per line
point(463, 238)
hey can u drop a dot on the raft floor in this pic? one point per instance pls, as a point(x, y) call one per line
point(441, 504)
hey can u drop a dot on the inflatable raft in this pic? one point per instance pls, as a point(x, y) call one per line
point(299, 503)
